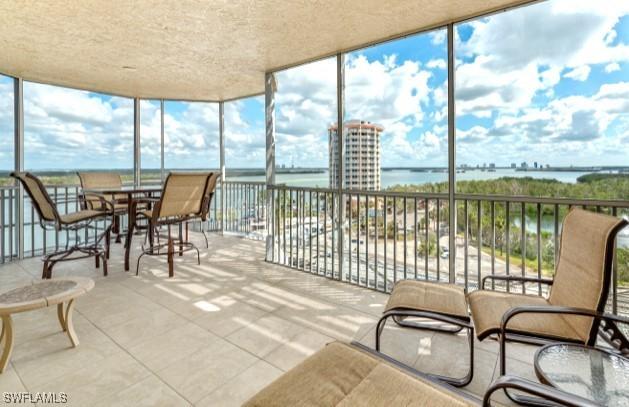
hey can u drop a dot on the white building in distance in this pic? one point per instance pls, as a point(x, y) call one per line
point(362, 155)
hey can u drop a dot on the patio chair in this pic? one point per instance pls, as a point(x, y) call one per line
point(184, 197)
point(101, 180)
point(51, 219)
point(354, 375)
point(578, 292)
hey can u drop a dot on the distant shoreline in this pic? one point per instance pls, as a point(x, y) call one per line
point(319, 170)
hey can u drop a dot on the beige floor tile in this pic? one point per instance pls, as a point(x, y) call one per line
point(291, 353)
point(264, 335)
point(145, 327)
point(196, 375)
point(163, 350)
point(150, 392)
point(10, 381)
point(91, 384)
point(242, 387)
point(225, 315)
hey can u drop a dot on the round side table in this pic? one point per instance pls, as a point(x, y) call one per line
point(37, 295)
point(593, 373)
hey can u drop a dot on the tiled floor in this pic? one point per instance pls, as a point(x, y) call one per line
point(213, 335)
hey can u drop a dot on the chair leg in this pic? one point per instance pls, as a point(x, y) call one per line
point(171, 253)
point(104, 263)
point(180, 240)
point(207, 244)
point(107, 242)
point(7, 333)
point(97, 260)
point(117, 228)
point(44, 273)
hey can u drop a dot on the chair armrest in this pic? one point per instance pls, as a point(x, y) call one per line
point(106, 205)
point(536, 389)
point(610, 319)
point(146, 199)
point(521, 279)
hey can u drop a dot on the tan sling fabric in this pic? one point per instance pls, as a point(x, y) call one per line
point(183, 194)
point(102, 180)
point(488, 307)
point(342, 375)
point(38, 195)
point(580, 272)
point(447, 299)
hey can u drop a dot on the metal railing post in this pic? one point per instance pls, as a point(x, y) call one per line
point(18, 104)
point(270, 87)
point(451, 159)
point(136, 141)
point(161, 168)
point(340, 105)
point(221, 137)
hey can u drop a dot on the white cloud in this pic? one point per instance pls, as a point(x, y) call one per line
point(580, 73)
point(613, 67)
point(514, 55)
point(438, 63)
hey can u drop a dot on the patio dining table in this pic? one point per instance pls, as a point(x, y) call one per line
point(134, 195)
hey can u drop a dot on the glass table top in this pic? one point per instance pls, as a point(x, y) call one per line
point(595, 374)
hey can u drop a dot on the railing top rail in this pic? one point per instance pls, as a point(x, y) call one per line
point(617, 203)
point(544, 200)
point(298, 188)
point(246, 182)
point(397, 194)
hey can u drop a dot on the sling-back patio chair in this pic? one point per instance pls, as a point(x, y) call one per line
point(73, 224)
point(184, 198)
point(210, 189)
point(103, 180)
point(353, 375)
point(573, 310)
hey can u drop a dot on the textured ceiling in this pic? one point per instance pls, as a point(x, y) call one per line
point(194, 49)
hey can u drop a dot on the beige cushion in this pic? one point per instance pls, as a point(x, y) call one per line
point(488, 307)
point(342, 375)
point(81, 216)
point(447, 299)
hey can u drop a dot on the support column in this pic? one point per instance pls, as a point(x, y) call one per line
point(136, 142)
point(221, 137)
point(270, 87)
point(340, 139)
point(161, 167)
point(18, 104)
point(451, 159)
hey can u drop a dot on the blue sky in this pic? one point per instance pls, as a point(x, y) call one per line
point(547, 83)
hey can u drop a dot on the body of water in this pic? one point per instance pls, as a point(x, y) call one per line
point(408, 177)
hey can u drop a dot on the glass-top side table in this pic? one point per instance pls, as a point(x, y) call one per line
point(596, 374)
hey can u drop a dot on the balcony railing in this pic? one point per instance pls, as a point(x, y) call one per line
point(386, 236)
point(390, 236)
point(245, 215)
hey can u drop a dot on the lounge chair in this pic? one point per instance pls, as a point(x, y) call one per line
point(354, 375)
point(184, 197)
point(573, 310)
point(51, 219)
